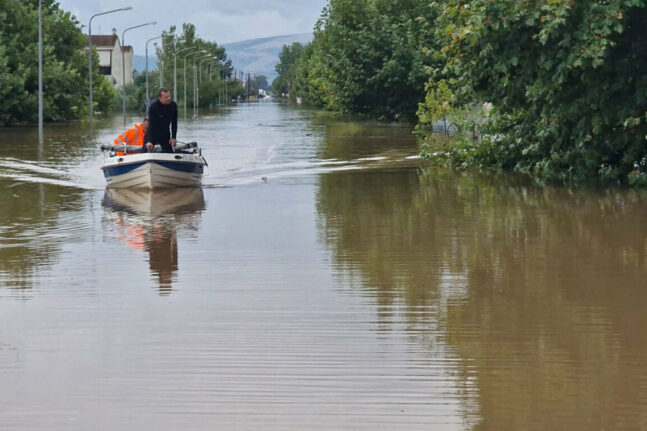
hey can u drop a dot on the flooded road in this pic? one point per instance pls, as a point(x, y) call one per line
point(322, 279)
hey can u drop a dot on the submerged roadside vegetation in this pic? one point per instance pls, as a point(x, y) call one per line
point(552, 88)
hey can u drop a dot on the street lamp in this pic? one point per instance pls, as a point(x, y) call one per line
point(164, 46)
point(123, 63)
point(175, 53)
point(90, 52)
point(188, 55)
point(196, 86)
point(40, 71)
point(209, 68)
point(202, 61)
point(210, 74)
point(147, 98)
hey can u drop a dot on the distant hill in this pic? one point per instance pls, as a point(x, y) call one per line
point(255, 56)
point(259, 56)
point(139, 62)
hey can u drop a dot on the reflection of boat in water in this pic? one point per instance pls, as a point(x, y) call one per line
point(135, 169)
point(148, 221)
point(154, 203)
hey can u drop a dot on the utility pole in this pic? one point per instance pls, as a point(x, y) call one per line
point(147, 97)
point(40, 71)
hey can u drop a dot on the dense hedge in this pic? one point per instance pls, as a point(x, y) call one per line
point(566, 80)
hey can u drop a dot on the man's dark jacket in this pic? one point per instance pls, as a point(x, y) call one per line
point(161, 118)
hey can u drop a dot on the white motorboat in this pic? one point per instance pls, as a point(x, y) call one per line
point(134, 169)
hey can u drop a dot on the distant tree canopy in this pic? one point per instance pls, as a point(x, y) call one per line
point(65, 65)
point(366, 58)
point(211, 64)
point(260, 82)
point(286, 68)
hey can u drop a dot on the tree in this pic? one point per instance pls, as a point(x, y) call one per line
point(64, 63)
point(566, 79)
point(173, 43)
point(286, 68)
point(367, 58)
point(260, 83)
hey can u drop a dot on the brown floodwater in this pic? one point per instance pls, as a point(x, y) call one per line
point(323, 278)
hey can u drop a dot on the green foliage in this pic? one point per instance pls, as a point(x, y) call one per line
point(566, 79)
point(437, 104)
point(104, 94)
point(260, 83)
point(211, 91)
point(286, 68)
point(184, 48)
point(64, 63)
point(367, 58)
point(235, 89)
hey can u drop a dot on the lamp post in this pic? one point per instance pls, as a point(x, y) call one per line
point(90, 52)
point(152, 38)
point(209, 58)
point(175, 53)
point(196, 88)
point(40, 71)
point(123, 64)
point(226, 78)
point(164, 46)
point(188, 55)
point(209, 67)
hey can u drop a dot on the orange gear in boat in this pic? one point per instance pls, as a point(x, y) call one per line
point(134, 136)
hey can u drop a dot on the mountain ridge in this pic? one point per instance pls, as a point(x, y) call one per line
point(255, 56)
point(259, 56)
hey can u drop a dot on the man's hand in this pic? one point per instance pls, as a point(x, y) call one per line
point(149, 146)
point(173, 142)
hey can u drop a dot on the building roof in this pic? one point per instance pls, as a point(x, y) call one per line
point(127, 48)
point(104, 40)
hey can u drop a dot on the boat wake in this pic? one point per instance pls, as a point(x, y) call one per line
point(23, 171)
point(270, 171)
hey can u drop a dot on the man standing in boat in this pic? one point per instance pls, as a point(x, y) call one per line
point(163, 116)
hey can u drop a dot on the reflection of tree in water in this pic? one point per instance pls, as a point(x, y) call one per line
point(158, 213)
point(30, 233)
point(540, 289)
point(347, 140)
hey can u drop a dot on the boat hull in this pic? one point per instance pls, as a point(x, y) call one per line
point(154, 170)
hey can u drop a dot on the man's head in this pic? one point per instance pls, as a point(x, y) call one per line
point(164, 96)
point(145, 125)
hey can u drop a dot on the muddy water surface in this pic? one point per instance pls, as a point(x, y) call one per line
point(323, 278)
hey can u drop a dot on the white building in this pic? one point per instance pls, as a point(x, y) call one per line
point(110, 60)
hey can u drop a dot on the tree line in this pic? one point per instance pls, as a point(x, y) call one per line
point(552, 88)
point(65, 66)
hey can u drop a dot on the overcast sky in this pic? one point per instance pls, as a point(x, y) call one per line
point(215, 20)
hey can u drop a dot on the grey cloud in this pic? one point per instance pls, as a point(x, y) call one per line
point(217, 20)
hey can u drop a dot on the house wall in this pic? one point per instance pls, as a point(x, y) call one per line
point(129, 67)
point(110, 59)
point(117, 66)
